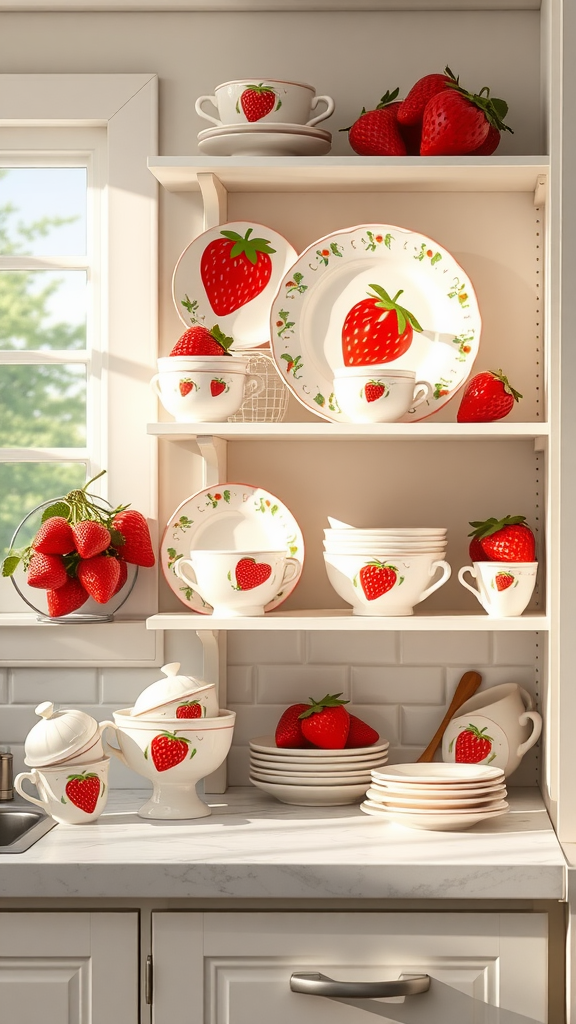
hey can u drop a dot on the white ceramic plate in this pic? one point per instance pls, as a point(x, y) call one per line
point(221, 287)
point(309, 766)
point(431, 823)
point(353, 531)
point(430, 793)
point(265, 144)
point(490, 802)
point(278, 128)
point(312, 796)
point(439, 773)
point(334, 274)
point(229, 516)
point(267, 745)
point(354, 779)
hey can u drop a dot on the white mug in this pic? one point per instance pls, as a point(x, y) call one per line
point(504, 588)
point(71, 794)
point(496, 726)
point(237, 583)
point(376, 394)
point(264, 100)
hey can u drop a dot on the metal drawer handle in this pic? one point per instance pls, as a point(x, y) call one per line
point(320, 985)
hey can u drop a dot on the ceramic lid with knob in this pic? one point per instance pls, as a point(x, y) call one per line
point(175, 687)
point(57, 735)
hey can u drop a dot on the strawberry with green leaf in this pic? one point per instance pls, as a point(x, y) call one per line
point(377, 329)
point(235, 269)
point(200, 341)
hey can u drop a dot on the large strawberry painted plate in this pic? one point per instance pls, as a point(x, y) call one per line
point(370, 294)
point(229, 517)
point(229, 276)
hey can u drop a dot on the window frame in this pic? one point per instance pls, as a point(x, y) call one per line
point(127, 106)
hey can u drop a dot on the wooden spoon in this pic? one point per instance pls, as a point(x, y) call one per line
point(466, 688)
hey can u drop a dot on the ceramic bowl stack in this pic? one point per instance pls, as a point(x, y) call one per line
point(437, 797)
point(308, 776)
point(385, 571)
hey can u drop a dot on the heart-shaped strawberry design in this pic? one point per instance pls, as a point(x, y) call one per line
point(83, 791)
point(168, 749)
point(250, 573)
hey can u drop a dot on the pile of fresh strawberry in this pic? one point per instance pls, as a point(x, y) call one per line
point(438, 118)
point(502, 540)
point(323, 723)
point(82, 550)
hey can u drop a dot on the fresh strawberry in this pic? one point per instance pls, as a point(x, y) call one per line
point(456, 122)
point(476, 551)
point(99, 576)
point(374, 390)
point(289, 729)
point(472, 745)
point(191, 709)
point(217, 386)
point(54, 537)
point(186, 385)
point(376, 132)
point(490, 144)
point(123, 576)
point(199, 341)
point(250, 573)
point(361, 734)
point(168, 749)
point(411, 110)
point(506, 540)
point(326, 722)
point(83, 791)
point(66, 599)
point(47, 572)
point(377, 330)
point(234, 270)
point(90, 538)
point(258, 100)
point(137, 546)
point(503, 580)
point(488, 396)
point(412, 135)
point(377, 578)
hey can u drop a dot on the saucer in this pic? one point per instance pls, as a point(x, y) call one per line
point(312, 142)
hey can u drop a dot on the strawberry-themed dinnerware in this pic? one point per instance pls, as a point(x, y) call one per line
point(371, 295)
point(495, 726)
point(62, 736)
point(265, 100)
point(375, 394)
point(226, 279)
point(504, 565)
point(72, 794)
point(436, 797)
point(265, 139)
point(176, 696)
point(230, 517)
point(237, 583)
point(194, 389)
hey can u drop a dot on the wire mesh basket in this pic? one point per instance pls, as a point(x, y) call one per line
point(270, 406)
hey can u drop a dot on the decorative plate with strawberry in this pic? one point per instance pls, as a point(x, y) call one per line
point(374, 294)
point(228, 276)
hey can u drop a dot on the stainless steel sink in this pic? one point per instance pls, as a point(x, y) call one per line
point(21, 827)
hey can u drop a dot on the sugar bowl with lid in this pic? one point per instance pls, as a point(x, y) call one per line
point(62, 736)
point(176, 696)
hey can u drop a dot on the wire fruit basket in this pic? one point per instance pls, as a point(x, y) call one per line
point(271, 405)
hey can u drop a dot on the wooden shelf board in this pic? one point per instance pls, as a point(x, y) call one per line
point(320, 430)
point(343, 619)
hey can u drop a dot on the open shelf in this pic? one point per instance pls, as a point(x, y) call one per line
point(343, 619)
point(320, 430)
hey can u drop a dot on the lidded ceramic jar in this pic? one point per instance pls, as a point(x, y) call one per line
point(62, 736)
point(177, 696)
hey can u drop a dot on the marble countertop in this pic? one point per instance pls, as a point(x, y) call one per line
point(255, 847)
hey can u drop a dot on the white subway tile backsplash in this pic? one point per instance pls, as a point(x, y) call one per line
point(239, 766)
point(514, 648)
point(418, 724)
point(352, 648)
point(292, 684)
point(16, 720)
point(397, 685)
point(121, 686)
point(444, 648)
point(382, 717)
point(259, 720)
point(69, 686)
point(240, 684)
point(263, 647)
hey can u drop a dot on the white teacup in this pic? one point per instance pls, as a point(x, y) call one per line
point(378, 394)
point(194, 389)
point(381, 585)
point(496, 726)
point(237, 583)
point(257, 100)
point(504, 588)
point(71, 794)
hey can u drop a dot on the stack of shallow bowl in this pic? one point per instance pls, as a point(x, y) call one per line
point(311, 777)
point(437, 797)
point(385, 571)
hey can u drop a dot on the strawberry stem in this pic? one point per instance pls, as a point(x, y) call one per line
point(329, 701)
point(403, 315)
point(490, 526)
point(246, 246)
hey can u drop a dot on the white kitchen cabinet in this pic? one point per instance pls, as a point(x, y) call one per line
point(235, 968)
point(68, 968)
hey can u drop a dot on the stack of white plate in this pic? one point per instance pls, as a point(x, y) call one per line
point(438, 797)
point(265, 139)
point(389, 542)
point(312, 777)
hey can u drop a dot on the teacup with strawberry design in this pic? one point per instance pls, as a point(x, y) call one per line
point(378, 394)
point(237, 583)
point(496, 727)
point(72, 794)
point(504, 588)
point(256, 100)
point(204, 389)
point(383, 584)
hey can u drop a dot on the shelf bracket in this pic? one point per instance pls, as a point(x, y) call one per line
point(213, 451)
point(540, 444)
point(214, 671)
point(215, 199)
point(541, 190)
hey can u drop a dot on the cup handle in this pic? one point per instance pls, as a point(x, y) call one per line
point(19, 789)
point(154, 385)
point(446, 574)
point(422, 390)
point(321, 117)
point(108, 749)
point(536, 720)
point(527, 699)
point(291, 570)
point(473, 590)
point(177, 566)
point(202, 113)
point(254, 385)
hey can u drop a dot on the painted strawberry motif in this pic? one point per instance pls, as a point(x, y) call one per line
point(191, 709)
point(186, 385)
point(377, 329)
point(250, 573)
point(234, 270)
point(472, 745)
point(167, 750)
point(503, 580)
point(377, 578)
point(374, 390)
point(83, 791)
point(218, 387)
point(257, 101)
